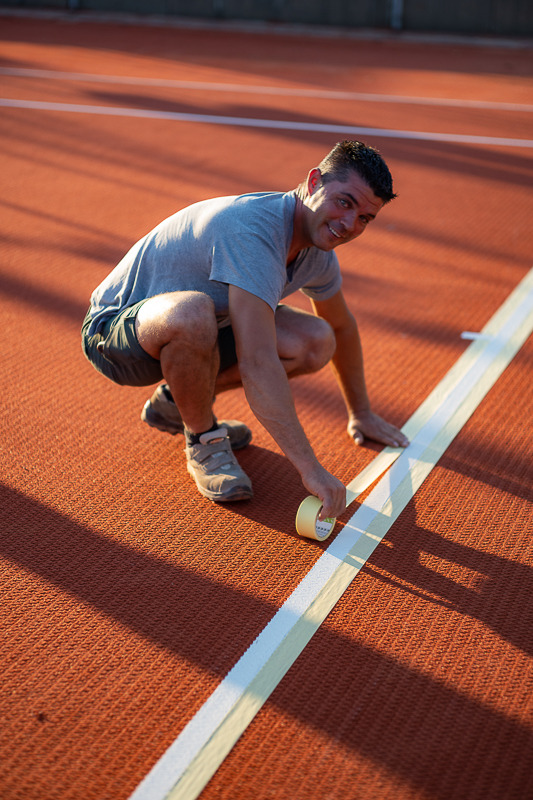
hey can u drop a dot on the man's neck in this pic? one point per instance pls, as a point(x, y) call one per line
point(298, 241)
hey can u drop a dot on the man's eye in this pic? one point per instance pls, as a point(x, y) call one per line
point(344, 203)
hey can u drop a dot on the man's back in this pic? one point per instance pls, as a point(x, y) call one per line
point(239, 240)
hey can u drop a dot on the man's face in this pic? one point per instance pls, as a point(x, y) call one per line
point(335, 212)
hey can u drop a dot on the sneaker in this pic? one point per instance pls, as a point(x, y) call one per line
point(215, 469)
point(161, 412)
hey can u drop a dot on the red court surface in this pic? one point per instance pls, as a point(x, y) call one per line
point(126, 597)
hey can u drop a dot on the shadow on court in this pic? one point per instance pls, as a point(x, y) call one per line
point(434, 724)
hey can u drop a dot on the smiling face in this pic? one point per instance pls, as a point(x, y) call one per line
point(336, 212)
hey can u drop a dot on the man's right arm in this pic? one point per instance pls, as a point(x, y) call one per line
point(267, 390)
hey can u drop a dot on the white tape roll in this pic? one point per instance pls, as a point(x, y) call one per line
point(307, 522)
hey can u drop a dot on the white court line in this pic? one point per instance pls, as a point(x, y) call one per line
point(209, 119)
point(189, 763)
point(282, 91)
point(473, 335)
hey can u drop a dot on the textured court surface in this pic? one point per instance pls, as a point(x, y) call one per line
point(125, 597)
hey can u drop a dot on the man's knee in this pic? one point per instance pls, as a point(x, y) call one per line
point(185, 316)
point(319, 345)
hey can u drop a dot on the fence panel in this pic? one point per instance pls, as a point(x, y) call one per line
point(499, 17)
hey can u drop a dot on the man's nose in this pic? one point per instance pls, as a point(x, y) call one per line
point(349, 223)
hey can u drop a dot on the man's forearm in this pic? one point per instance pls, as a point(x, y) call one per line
point(267, 390)
point(348, 368)
point(268, 393)
point(347, 365)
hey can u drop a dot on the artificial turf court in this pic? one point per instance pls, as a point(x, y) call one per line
point(126, 598)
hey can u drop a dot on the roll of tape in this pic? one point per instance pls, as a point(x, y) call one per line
point(307, 522)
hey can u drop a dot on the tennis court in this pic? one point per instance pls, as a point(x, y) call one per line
point(128, 599)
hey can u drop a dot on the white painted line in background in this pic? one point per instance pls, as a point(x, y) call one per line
point(189, 763)
point(244, 88)
point(345, 130)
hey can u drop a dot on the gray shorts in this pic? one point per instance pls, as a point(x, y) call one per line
point(121, 358)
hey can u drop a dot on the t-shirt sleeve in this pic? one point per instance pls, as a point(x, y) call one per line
point(325, 279)
point(252, 262)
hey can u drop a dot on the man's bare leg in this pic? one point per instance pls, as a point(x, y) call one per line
point(179, 328)
point(305, 344)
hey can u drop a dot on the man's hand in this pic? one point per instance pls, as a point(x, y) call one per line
point(370, 425)
point(329, 491)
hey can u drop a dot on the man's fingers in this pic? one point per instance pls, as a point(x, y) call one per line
point(328, 513)
point(329, 490)
point(397, 439)
point(334, 507)
point(358, 437)
point(403, 441)
point(393, 441)
point(376, 428)
point(329, 509)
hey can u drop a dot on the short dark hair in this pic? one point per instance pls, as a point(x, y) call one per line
point(365, 160)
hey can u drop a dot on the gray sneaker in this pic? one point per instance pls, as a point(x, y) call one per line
point(215, 469)
point(161, 412)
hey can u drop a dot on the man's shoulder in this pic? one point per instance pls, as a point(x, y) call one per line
point(256, 203)
point(248, 199)
point(246, 205)
point(256, 213)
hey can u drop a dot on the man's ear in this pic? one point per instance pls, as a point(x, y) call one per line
point(314, 180)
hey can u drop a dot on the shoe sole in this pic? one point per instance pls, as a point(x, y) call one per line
point(155, 420)
point(231, 496)
point(241, 442)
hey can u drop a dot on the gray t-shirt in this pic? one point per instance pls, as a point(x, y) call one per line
point(241, 241)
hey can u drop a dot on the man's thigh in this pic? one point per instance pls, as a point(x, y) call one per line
point(116, 353)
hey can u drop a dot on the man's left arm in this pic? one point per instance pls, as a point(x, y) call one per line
point(348, 368)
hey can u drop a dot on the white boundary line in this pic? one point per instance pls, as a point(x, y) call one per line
point(209, 119)
point(190, 762)
point(281, 91)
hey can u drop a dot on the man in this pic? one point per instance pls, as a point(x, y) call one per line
point(196, 302)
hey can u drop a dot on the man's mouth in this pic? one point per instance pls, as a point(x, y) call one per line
point(335, 233)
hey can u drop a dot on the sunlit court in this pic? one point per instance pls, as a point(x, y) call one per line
point(157, 644)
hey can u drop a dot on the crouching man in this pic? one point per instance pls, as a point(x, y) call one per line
point(196, 303)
